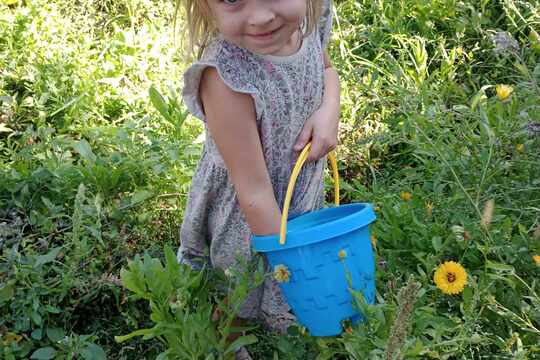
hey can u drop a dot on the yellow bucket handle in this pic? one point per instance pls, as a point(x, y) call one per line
point(299, 163)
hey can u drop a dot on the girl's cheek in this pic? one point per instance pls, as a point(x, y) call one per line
point(228, 25)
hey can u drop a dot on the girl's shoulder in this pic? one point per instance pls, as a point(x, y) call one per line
point(237, 67)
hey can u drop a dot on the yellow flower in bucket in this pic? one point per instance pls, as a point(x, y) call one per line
point(503, 91)
point(450, 277)
point(536, 259)
point(281, 273)
point(342, 254)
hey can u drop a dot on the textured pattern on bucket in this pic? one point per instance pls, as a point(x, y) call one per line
point(317, 290)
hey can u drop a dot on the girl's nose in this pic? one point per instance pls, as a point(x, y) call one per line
point(261, 15)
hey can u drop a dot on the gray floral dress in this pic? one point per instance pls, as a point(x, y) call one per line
point(286, 90)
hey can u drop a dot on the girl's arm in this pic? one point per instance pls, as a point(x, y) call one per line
point(231, 120)
point(322, 127)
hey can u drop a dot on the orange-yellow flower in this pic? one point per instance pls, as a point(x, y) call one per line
point(503, 91)
point(342, 254)
point(281, 273)
point(450, 277)
point(429, 208)
point(374, 241)
point(405, 196)
point(536, 259)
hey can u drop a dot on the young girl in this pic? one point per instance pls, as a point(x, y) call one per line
point(265, 87)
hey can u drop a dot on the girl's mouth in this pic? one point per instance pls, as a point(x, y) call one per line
point(266, 35)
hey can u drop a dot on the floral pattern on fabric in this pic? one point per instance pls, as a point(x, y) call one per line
point(286, 91)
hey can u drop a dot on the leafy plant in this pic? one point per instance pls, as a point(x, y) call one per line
point(182, 304)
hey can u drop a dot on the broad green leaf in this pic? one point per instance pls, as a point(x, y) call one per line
point(36, 318)
point(133, 279)
point(141, 332)
point(172, 264)
point(159, 102)
point(436, 242)
point(44, 353)
point(140, 196)
point(241, 341)
point(93, 352)
point(84, 149)
point(53, 309)
point(55, 334)
point(499, 266)
point(47, 258)
point(6, 292)
point(37, 334)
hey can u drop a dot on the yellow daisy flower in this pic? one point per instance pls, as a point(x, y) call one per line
point(405, 196)
point(503, 91)
point(281, 273)
point(536, 259)
point(450, 277)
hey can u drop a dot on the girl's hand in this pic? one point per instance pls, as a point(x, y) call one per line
point(322, 126)
point(322, 130)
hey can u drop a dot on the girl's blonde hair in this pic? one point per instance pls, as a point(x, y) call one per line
point(200, 27)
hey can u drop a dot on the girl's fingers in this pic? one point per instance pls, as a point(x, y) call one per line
point(320, 148)
point(304, 137)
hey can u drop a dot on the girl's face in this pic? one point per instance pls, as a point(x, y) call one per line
point(268, 27)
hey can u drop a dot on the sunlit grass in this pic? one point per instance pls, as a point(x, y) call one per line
point(96, 157)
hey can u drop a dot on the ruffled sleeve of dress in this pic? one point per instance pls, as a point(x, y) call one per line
point(234, 66)
point(325, 23)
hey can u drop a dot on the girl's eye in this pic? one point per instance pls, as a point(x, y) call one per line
point(231, 2)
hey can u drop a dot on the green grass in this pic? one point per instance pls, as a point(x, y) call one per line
point(97, 153)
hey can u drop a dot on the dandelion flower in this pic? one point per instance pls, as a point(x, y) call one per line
point(520, 148)
point(342, 254)
point(503, 91)
point(536, 259)
point(450, 278)
point(281, 273)
point(405, 196)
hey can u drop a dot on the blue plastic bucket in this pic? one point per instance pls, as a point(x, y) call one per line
point(322, 248)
